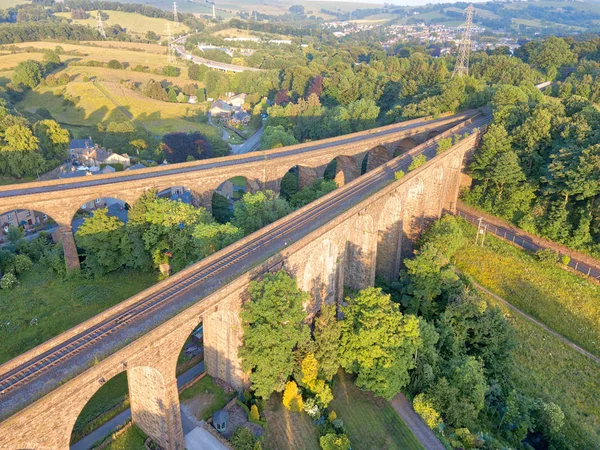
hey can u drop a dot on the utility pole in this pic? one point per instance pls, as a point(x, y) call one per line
point(170, 53)
point(214, 13)
point(100, 26)
point(481, 230)
point(461, 67)
point(175, 18)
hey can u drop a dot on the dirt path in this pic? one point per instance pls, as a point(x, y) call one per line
point(422, 432)
point(538, 323)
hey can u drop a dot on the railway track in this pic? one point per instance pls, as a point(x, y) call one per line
point(139, 175)
point(70, 348)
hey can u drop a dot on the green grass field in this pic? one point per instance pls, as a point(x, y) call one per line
point(371, 422)
point(135, 24)
point(58, 305)
point(561, 299)
point(546, 367)
point(131, 439)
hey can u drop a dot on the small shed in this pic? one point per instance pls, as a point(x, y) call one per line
point(220, 419)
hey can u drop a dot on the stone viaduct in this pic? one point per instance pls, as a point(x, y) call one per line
point(365, 240)
point(60, 199)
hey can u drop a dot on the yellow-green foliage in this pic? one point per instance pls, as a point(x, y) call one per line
point(332, 416)
point(254, 414)
point(309, 378)
point(399, 174)
point(417, 162)
point(425, 409)
point(292, 399)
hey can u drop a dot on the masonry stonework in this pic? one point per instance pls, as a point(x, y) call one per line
point(368, 238)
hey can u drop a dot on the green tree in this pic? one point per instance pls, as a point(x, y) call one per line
point(28, 73)
point(99, 237)
point(552, 54)
point(495, 142)
point(254, 211)
point(114, 64)
point(242, 439)
point(378, 342)
point(417, 162)
point(275, 137)
point(506, 172)
point(273, 324)
point(333, 441)
point(53, 140)
point(327, 335)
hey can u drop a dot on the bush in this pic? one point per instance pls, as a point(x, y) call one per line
point(332, 416)
point(425, 409)
point(565, 259)
point(399, 174)
point(335, 442)
point(547, 256)
point(292, 399)
point(242, 439)
point(114, 64)
point(9, 281)
point(443, 145)
point(170, 71)
point(254, 414)
point(22, 263)
point(417, 162)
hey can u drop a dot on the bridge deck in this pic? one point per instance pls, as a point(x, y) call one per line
point(232, 160)
point(39, 372)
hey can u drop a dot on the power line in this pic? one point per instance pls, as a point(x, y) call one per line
point(175, 18)
point(100, 26)
point(170, 53)
point(462, 60)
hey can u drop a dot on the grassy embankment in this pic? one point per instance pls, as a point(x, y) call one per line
point(564, 301)
point(204, 398)
point(45, 305)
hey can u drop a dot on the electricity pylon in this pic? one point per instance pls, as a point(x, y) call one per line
point(214, 13)
point(175, 18)
point(100, 26)
point(464, 48)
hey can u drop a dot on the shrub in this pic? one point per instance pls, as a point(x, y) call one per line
point(399, 174)
point(292, 399)
point(335, 442)
point(332, 416)
point(417, 162)
point(22, 263)
point(565, 259)
point(9, 281)
point(425, 409)
point(443, 145)
point(547, 256)
point(114, 64)
point(170, 71)
point(254, 414)
point(242, 439)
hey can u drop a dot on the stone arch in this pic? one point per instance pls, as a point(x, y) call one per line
point(360, 253)
point(342, 169)
point(322, 275)
point(389, 238)
point(404, 145)
point(182, 193)
point(374, 158)
point(296, 178)
point(432, 134)
point(412, 222)
point(98, 388)
point(115, 206)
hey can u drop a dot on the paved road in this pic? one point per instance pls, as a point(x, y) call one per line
point(250, 145)
point(422, 432)
point(98, 180)
point(213, 64)
point(107, 428)
point(523, 240)
point(70, 357)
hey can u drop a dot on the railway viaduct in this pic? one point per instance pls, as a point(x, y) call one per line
point(365, 238)
point(60, 199)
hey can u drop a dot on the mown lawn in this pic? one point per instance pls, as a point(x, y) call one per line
point(46, 305)
point(287, 430)
point(545, 367)
point(563, 300)
point(370, 421)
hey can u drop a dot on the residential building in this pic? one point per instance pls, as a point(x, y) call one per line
point(26, 218)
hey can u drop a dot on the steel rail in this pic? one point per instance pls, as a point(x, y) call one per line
point(72, 346)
